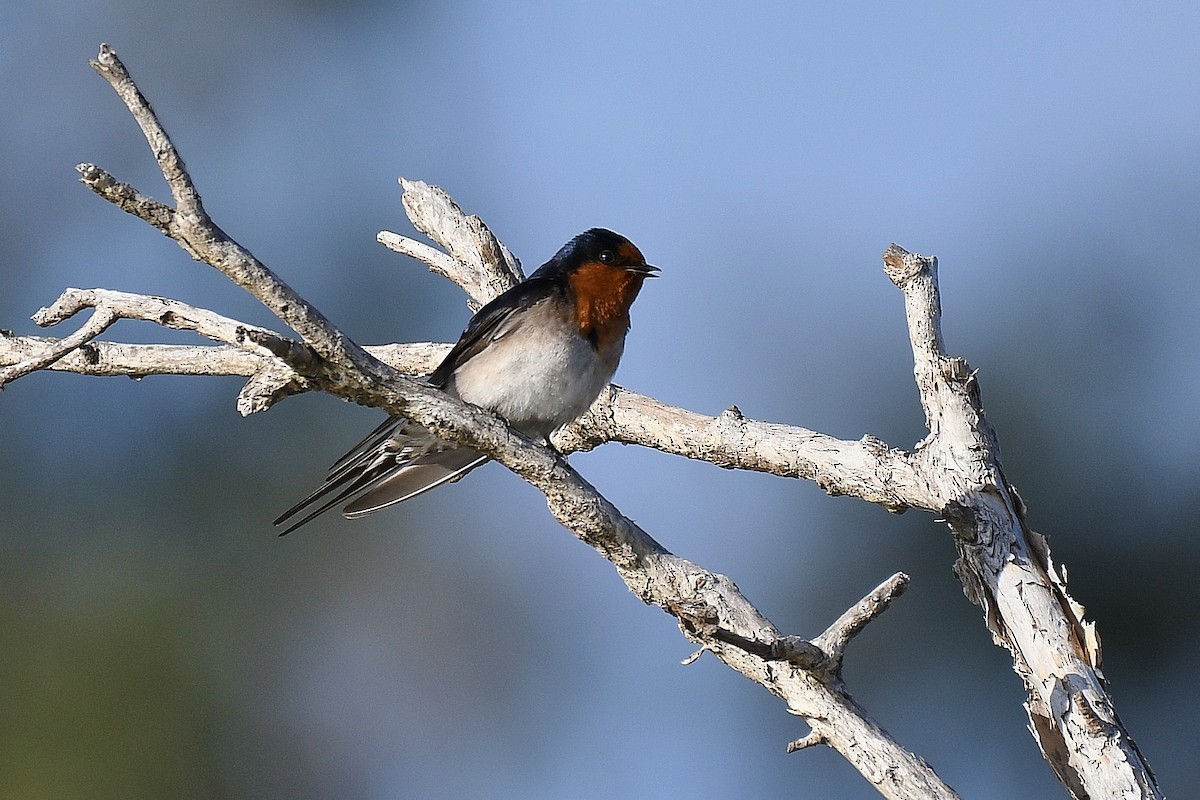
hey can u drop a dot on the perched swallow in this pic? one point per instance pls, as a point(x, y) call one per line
point(538, 355)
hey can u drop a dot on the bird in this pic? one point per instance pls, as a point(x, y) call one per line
point(538, 355)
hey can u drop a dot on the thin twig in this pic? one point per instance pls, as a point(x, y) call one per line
point(811, 740)
point(166, 312)
point(99, 322)
point(439, 262)
point(187, 199)
point(835, 638)
point(126, 197)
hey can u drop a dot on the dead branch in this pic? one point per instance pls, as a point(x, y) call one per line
point(1006, 568)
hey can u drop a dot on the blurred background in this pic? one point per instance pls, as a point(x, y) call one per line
point(158, 640)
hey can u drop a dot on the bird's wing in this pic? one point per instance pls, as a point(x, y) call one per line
point(490, 323)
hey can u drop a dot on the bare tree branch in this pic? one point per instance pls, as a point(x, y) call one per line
point(121, 359)
point(835, 638)
point(96, 325)
point(486, 268)
point(127, 198)
point(867, 468)
point(192, 229)
point(1005, 567)
point(955, 472)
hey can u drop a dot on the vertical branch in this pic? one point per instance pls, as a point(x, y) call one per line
point(1006, 568)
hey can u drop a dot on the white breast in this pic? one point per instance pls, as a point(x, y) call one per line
point(538, 375)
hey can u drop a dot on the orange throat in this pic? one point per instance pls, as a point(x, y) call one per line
point(603, 296)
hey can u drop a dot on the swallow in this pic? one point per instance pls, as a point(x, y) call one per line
point(538, 355)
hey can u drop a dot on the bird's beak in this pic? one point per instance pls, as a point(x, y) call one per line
point(645, 270)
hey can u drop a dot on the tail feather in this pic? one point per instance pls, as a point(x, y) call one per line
point(370, 443)
point(425, 473)
point(367, 463)
point(362, 482)
point(382, 470)
point(332, 483)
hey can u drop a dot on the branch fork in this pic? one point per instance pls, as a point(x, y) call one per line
point(821, 656)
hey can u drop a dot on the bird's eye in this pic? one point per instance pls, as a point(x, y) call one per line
point(607, 256)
